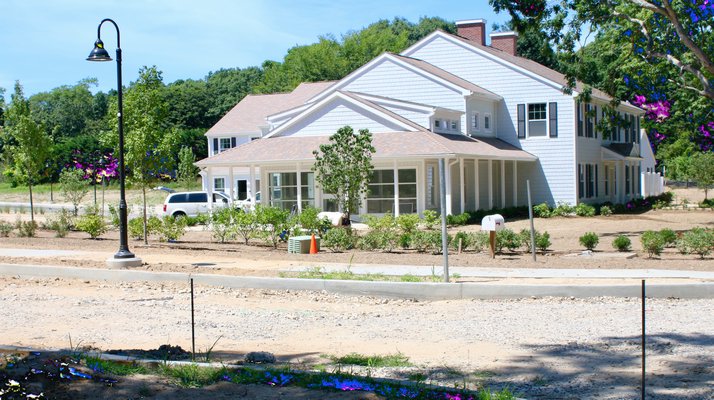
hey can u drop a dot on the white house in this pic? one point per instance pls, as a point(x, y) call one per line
point(495, 118)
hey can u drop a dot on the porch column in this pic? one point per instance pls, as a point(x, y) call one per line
point(447, 178)
point(231, 184)
point(503, 183)
point(396, 189)
point(462, 183)
point(476, 183)
point(209, 187)
point(515, 183)
point(299, 188)
point(253, 192)
point(490, 184)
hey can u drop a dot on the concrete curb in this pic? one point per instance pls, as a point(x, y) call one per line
point(409, 290)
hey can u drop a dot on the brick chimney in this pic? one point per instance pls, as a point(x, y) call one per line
point(472, 29)
point(505, 41)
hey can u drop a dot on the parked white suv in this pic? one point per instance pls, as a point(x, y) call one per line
point(190, 204)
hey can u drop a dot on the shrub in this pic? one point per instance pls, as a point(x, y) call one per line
point(431, 219)
point(669, 237)
point(622, 243)
point(652, 243)
point(171, 229)
point(92, 224)
point(114, 216)
point(465, 239)
point(508, 239)
point(589, 240)
point(245, 225)
point(541, 210)
point(423, 241)
point(407, 223)
point(708, 203)
point(135, 228)
point(222, 224)
point(339, 239)
point(525, 237)
point(5, 229)
point(420, 241)
point(478, 241)
point(26, 228)
point(563, 210)
point(605, 211)
point(61, 223)
point(697, 241)
point(273, 222)
point(584, 210)
point(458, 220)
point(308, 221)
point(543, 241)
point(380, 239)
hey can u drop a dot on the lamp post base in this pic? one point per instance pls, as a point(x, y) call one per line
point(123, 263)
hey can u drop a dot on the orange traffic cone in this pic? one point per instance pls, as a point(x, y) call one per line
point(313, 245)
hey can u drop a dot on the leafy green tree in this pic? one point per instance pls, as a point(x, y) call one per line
point(702, 171)
point(187, 172)
point(73, 187)
point(344, 166)
point(148, 139)
point(227, 87)
point(32, 145)
point(65, 111)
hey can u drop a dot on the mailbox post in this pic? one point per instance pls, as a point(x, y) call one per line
point(492, 224)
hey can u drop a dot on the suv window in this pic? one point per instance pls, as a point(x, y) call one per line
point(178, 198)
point(197, 197)
point(217, 198)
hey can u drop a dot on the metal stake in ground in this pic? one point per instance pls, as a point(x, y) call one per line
point(530, 216)
point(193, 328)
point(642, 384)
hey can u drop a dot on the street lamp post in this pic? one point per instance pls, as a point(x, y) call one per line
point(123, 257)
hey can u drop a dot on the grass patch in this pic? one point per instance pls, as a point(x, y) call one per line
point(374, 361)
point(115, 367)
point(347, 275)
point(192, 375)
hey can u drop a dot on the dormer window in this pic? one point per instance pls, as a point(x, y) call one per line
point(487, 122)
point(454, 125)
point(475, 122)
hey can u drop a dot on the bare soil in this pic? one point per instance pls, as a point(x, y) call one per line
point(540, 348)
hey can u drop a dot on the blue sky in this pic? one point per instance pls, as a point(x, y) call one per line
point(44, 43)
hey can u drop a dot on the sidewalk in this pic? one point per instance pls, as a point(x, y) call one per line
point(476, 282)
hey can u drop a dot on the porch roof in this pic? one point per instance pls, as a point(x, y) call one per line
point(388, 145)
point(621, 151)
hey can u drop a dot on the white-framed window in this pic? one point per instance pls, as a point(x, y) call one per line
point(283, 189)
point(380, 197)
point(454, 125)
point(475, 122)
point(219, 184)
point(225, 144)
point(437, 123)
point(537, 120)
point(487, 122)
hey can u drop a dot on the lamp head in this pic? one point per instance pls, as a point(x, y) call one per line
point(99, 53)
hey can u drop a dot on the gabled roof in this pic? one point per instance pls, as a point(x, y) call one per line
point(388, 145)
point(623, 150)
point(419, 66)
point(403, 103)
point(526, 65)
point(249, 114)
point(352, 99)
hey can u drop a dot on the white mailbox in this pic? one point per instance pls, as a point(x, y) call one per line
point(492, 223)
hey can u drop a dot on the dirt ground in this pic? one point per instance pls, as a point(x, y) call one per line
point(542, 348)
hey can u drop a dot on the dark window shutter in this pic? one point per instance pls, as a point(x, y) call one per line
point(215, 146)
point(233, 142)
point(581, 182)
point(597, 183)
point(521, 121)
point(588, 122)
point(595, 128)
point(632, 129)
point(580, 118)
point(637, 136)
point(553, 117)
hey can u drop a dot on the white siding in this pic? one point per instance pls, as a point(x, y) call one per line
point(335, 115)
point(389, 79)
point(553, 179)
point(418, 117)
